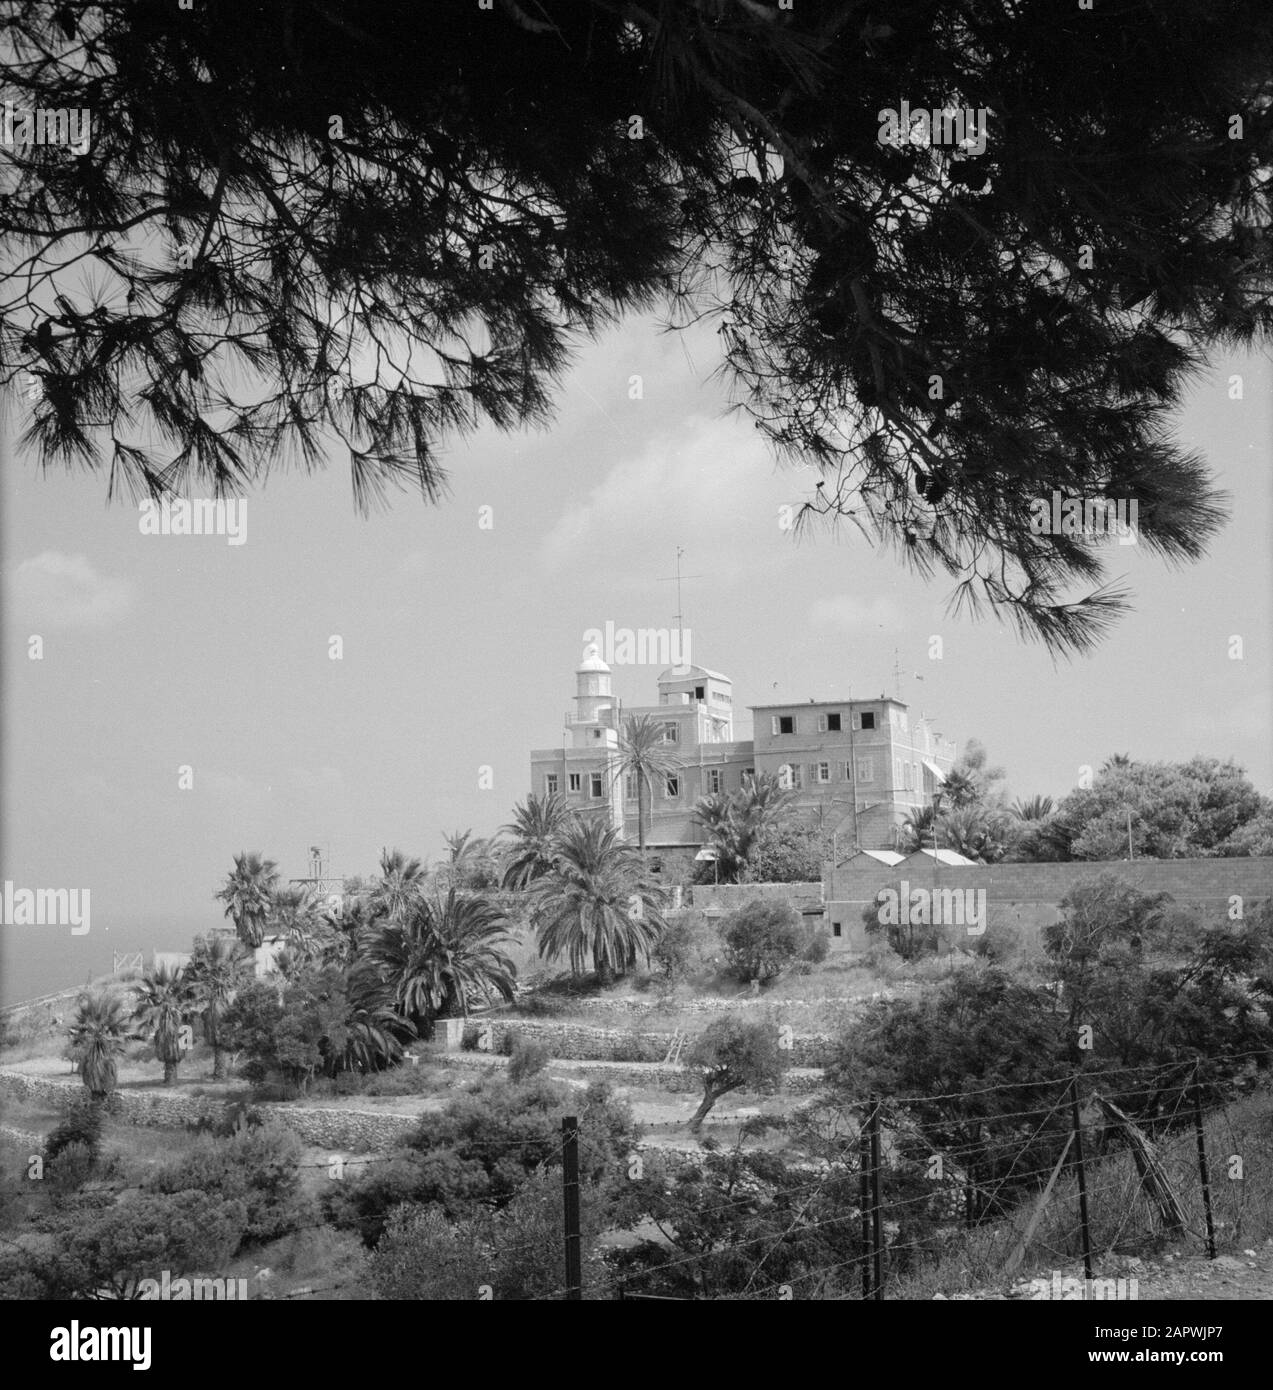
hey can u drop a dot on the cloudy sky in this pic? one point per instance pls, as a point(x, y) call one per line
point(459, 643)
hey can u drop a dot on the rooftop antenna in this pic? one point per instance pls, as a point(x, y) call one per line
point(676, 578)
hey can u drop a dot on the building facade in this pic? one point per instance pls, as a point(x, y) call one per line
point(857, 767)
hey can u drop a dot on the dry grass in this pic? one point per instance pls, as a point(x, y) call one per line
point(1119, 1213)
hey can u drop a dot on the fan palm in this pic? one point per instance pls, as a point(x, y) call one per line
point(644, 754)
point(535, 827)
point(444, 953)
point(399, 886)
point(98, 1035)
point(218, 967)
point(248, 895)
point(165, 998)
point(294, 913)
point(1036, 808)
point(597, 902)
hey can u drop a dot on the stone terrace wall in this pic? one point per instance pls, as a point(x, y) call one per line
point(674, 1078)
point(577, 1042)
point(804, 897)
point(343, 1129)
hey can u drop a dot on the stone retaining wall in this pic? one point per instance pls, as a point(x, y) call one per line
point(577, 1042)
point(634, 1074)
point(340, 1129)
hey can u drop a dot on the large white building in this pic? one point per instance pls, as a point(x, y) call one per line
point(858, 766)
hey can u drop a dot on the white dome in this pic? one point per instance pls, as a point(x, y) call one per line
point(591, 660)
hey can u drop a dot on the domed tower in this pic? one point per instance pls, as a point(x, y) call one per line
point(593, 696)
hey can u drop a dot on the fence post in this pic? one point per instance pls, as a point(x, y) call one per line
point(877, 1215)
point(570, 1203)
point(1202, 1168)
point(864, 1202)
point(1078, 1158)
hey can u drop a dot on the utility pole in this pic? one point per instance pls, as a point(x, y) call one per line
point(570, 1196)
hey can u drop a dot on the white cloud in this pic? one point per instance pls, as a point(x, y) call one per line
point(849, 613)
point(59, 591)
point(711, 480)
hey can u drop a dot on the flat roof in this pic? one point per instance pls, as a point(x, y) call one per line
point(815, 704)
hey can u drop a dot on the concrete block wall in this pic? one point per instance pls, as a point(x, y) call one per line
point(1027, 897)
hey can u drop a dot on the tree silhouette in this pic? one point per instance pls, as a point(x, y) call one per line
point(319, 228)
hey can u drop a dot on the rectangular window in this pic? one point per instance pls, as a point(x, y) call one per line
point(748, 776)
point(897, 773)
point(836, 929)
point(672, 788)
point(784, 723)
point(550, 783)
point(574, 781)
point(671, 732)
point(822, 772)
point(867, 720)
point(866, 769)
point(791, 776)
point(630, 786)
point(700, 693)
point(713, 780)
point(828, 723)
point(595, 779)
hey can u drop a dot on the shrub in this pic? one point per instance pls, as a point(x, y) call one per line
point(257, 1167)
point(761, 939)
point(81, 1127)
point(71, 1168)
point(673, 952)
point(528, 1056)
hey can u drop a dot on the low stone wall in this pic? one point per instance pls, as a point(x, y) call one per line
point(673, 1078)
point(725, 897)
point(570, 1042)
point(340, 1129)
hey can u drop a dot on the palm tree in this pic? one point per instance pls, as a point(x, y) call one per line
point(471, 862)
point(399, 886)
point(376, 1033)
point(598, 902)
point(164, 999)
point(1116, 763)
point(294, 913)
point(916, 831)
point(534, 828)
point(734, 821)
point(97, 1037)
point(643, 753)
point(248, 895)
point(1036, 808)
point(445, 952)
point(217, 969)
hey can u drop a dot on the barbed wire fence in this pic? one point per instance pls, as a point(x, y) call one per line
point(1067, 1169)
